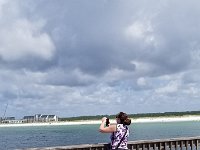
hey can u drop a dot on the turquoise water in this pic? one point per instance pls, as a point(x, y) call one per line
point(45, 136)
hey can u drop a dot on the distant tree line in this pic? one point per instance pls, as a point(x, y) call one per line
point(141, 115)
point(165, 114)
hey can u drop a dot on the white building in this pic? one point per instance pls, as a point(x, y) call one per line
point(52, 118)
point(40, 118)
point(48, 118)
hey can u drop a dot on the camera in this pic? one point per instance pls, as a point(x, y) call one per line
point(107, 122)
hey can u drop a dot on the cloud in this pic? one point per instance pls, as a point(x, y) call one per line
point(140, 31)
point(171, 87)
point(78, 58)
point(74, 78)
point(23, 39)
point(141, 82)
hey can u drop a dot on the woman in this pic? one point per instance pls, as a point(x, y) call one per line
point(120, 131)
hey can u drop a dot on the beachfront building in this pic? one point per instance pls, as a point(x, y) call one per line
point(52, 118)
point(7, 120)
point(15, 121)
point(40, 118)
point(28, 119)
point(44, 118)
point(48, 118)
point(10, 118)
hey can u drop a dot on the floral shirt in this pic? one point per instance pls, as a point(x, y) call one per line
point(118, 135)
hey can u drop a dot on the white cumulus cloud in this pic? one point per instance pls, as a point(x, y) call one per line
point(24, 39)
point(171, 87)
point(21, 37)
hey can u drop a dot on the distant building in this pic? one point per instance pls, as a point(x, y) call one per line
point(28, 119)
point(44, 118)
point(40, 118)
point(52, 118)
point(15, 121)
point(7, 120)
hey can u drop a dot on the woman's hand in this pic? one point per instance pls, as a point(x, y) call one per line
point(103, 119)
point(109, 129)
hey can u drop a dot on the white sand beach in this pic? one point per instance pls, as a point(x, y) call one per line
point(167, 119)
point(81, 122)
point(137, 120)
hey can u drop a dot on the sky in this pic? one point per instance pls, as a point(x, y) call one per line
point(73, 57)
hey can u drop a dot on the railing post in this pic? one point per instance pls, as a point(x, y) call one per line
point(165, 145)
point(143, 146)
point(137, 147)
point(186, 144)
point(191, 145)
point(197, 142)
point(149, 147)
point(181, 145)
point(132, 147)
point(154, 146)
point(176, 145)
point(160, 145)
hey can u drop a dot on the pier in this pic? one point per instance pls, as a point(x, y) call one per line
point(183, 143)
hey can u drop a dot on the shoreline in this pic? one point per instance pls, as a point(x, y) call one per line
point(167, 119)
point(133, 120)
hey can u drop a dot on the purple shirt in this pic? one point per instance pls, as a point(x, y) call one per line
point(118, 135)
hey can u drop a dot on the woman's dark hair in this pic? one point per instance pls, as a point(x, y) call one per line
point(123, 118)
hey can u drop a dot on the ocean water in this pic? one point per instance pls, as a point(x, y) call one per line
point(45, 136)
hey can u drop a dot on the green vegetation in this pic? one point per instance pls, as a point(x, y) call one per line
point(165, 114)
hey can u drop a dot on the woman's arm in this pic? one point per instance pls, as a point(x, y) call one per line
point(109, 129)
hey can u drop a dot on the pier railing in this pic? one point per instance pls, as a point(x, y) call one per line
point(183, 143)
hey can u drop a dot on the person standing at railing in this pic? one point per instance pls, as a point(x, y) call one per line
point(120, 131)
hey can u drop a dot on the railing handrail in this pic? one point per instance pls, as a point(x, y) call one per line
point(164, 140)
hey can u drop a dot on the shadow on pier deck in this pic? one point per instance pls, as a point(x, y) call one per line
point(184, 143)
